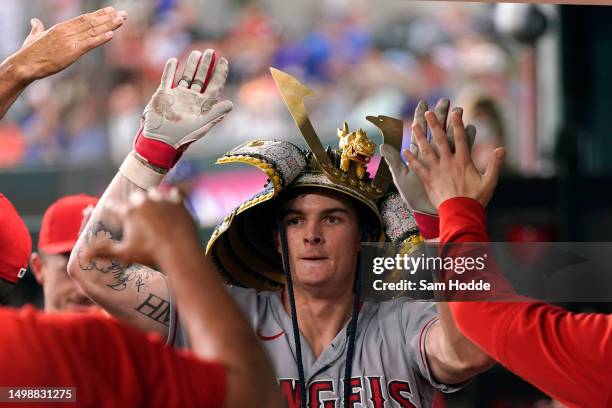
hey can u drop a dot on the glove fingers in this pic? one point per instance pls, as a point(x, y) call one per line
point(394, 161)
point(441, 111)
point(220, 109)
point(167, 79)
point(204, 71)
point(216, 111)
point(419, 116)
point(190, 69)
point(450, 135)
point(470, 131)
point(217, 81)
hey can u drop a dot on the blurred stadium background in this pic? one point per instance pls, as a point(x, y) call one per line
point(533, 78)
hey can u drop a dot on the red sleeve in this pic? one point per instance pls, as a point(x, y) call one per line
point(429, 225)
point(109, 363)
point(566, 355)
point(462, 220)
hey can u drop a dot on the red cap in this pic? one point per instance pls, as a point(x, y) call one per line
point(62, 222)
point(15, 242)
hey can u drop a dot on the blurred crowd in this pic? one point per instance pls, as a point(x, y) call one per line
point(358, 62)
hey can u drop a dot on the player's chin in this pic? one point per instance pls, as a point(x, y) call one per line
point(314, 272)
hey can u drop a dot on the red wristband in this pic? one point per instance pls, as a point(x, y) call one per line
point(157, 153)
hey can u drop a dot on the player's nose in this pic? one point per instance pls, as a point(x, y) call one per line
point(313, 234)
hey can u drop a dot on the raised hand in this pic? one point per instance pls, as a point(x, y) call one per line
point(179, 114)
point(46, 52)
point(408, 184)
point(446, 174)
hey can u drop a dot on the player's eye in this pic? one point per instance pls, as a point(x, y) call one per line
point(293, 221)
point(331, 219)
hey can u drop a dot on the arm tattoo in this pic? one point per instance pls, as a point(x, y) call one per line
point(139, 274)
point(139, 283)
point(123, 274)
point(155, 308)
point(100, 232)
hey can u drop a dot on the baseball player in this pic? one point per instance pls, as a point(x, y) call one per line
point(59, 231)
point(99, 362)
point(566, 355)
point(291, 254)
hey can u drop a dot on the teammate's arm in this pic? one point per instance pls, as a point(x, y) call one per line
point(564, 354)
point(47, 52)
point(131, 292)
point(228, 340)
point(452, 357)
point(177, 115)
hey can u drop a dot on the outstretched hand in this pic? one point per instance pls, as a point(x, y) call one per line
point(446, 174)
point(46, 52)
point(408, 184)
point(184, 109)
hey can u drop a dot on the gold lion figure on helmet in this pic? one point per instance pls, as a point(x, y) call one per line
point(357, 148)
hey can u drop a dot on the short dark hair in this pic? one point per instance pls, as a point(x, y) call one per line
point(368, 224)
point(5, 288)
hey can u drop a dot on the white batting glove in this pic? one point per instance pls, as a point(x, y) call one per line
point(408, 184)
point(178, 115)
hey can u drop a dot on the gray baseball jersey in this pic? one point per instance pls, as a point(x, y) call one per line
point(389, 366)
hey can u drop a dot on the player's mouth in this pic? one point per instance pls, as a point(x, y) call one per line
point(314, 258)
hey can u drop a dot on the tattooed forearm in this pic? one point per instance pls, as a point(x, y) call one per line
point(119, 287)
point(100, 232)
point(123, 274)
point(155, 308)
point(139, 283)
point(138, 274)
point(98, 227)
point(122, 278)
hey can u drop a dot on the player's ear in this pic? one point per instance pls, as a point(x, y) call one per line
point(36, 264)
